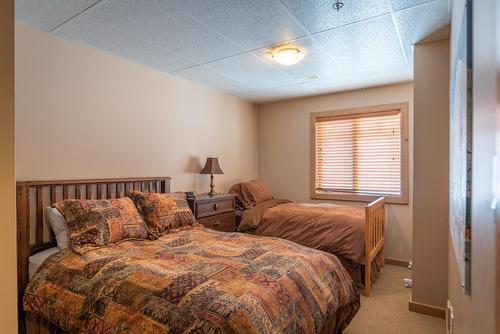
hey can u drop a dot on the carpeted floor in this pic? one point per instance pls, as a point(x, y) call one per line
point(386, 310)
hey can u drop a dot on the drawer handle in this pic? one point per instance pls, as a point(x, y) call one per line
point(216, 224)
point(216, 206)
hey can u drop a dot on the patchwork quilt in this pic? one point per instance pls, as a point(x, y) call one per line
point(195, 281)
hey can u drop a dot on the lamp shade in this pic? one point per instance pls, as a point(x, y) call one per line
point(212, 167)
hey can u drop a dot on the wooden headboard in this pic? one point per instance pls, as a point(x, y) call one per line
point(34, 196)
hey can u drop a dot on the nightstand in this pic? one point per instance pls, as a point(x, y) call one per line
point(215, 212)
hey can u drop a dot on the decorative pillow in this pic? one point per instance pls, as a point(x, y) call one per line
point(259, 191)
point(163, 213)
point(251, 193)
point(58, 226)
point(96, 223)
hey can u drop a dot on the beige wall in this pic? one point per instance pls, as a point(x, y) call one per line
point(8, 290)
point(430, 178)
point(480, 312)
point(284, 151)
point(82, 113)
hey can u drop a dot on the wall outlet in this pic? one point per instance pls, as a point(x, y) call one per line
point(449, 318)
point(407, 282)
point(410, 265)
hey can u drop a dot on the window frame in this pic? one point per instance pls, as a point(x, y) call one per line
point(359, 112)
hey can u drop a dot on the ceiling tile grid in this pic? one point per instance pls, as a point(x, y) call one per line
point(163, 24)
point(325, 85)
point(416, 23)
point(402, 4)
point(252, 70)
point(318, 15)
point(251, 24)
point(227, 44)
point(214, 79)
point(103, 36)
point(368, 45)
point(48, 14)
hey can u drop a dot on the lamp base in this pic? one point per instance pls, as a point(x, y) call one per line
point(212, 192)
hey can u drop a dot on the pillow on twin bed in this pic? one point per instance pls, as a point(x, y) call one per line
point(97, 223)
point(251, 193)
point(163, 213)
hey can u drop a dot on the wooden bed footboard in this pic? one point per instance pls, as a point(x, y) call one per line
point(374, 237)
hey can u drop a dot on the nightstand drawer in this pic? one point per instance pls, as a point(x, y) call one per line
point(214, 207)
point(221, 222)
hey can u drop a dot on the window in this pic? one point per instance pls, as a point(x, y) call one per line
point(360, 154)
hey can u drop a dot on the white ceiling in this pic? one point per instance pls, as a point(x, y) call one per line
point(225, 43)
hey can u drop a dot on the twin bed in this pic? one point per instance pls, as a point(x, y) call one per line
point(185, 279)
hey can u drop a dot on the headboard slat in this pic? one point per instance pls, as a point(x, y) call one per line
point(39, 216)
point(108, 191)
point(99, 191)
point(53, 194)
point(25, 247)
point(88, 191)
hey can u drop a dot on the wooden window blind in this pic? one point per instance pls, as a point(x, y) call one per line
point(360, 154)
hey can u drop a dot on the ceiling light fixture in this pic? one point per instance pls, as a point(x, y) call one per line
point(338, 5)
point(288, 55)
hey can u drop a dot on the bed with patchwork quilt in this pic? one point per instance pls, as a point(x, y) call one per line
point(195, 280)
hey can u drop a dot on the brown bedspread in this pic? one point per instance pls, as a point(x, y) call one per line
point(193, 281)
point(335, 229)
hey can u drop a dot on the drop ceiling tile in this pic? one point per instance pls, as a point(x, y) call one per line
point(48, 14)
point(190, 39)
point(231, 38)
point(128, 14)
point(332, 84)
point(316, 62)
point(251, 70)
point(257, 96)
point(401, 4)
point(211, 78)
point(89, 31)
point(365, 46)
point(417, 23)
point(319, 15)
point(251, 24)
point(164, 25)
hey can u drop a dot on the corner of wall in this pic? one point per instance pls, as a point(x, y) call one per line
point(8, 279)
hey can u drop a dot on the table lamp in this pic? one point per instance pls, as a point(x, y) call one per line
point(212, 167)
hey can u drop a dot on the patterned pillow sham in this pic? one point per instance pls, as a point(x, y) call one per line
point(163, 213)
point(96, 223)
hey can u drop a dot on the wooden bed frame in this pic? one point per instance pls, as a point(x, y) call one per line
point(374, 238)
point(34, 196)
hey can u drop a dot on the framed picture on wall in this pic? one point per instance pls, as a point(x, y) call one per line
point(461, 148)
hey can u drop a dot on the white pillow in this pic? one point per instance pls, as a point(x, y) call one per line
point(35, 261)
point(59, 226)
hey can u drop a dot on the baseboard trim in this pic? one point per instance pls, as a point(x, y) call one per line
point(426, 309)
point(397, 262)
